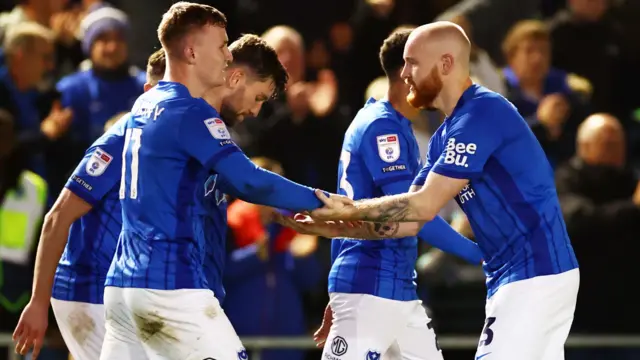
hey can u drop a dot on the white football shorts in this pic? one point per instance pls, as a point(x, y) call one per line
point(185, 324)
point(82, 327)
point(530, 319)
point(367, 327)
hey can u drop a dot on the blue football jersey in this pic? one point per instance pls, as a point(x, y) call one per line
point(83, 267)
point(170, 139)
point(380, 156)
point(210, 225)
point(511, 199)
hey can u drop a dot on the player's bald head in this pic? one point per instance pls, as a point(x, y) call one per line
point(436, 57)
point(601, 140)
point(438, 39)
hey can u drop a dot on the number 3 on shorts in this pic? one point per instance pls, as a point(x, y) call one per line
point(487, 331)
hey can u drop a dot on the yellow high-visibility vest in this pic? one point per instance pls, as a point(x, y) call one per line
point(20, 216)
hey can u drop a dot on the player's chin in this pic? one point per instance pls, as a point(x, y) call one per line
point(414, 101)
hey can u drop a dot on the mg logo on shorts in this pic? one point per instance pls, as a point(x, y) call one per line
point(242, 355)
point(339, 346)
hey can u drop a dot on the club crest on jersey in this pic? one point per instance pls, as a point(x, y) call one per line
point(98, 162)
point(373, 355)
point(217, 128)
point(388, 147)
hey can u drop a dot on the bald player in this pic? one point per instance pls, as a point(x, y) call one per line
point(485, 156)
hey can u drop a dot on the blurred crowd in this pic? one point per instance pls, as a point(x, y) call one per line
point(69, 68)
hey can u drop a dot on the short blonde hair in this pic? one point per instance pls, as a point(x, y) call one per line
point(522, 31)
point(23, 36)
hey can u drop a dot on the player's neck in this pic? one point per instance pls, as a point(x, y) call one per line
point(181, 74)
point(450, 95)
point(214, 96)
point(398, 100)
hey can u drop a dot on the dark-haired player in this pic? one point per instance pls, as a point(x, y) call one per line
point(254, 76)
point(156, 286)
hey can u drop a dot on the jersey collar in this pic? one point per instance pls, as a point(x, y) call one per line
point(179, 88)
point(468, 94)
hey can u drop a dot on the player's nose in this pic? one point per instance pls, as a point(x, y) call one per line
point(404, 74)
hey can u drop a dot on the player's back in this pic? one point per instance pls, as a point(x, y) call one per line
point(157, 248)
point(84, 264)
point(511, 200)
point(380, 156)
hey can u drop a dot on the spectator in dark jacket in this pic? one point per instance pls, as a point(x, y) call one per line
point(600, 199)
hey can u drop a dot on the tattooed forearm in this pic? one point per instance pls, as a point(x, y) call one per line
point(387, 209)
point(385, 230)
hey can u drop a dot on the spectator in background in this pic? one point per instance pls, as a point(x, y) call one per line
point(64, 24)
point(600, 199)
point(29, 56)
point(541, 93)
point(109, 87)
point(586, 41)
point(481, 68)
point(300, 130)
point(268, 269)
point(38, 11)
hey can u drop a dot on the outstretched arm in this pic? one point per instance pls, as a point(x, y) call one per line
point(422, 205)
point(436, 232)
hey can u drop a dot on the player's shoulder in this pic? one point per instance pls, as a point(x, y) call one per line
point(375, 117)
point(481, 104)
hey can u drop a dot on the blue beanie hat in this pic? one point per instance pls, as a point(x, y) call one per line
point(101, 19)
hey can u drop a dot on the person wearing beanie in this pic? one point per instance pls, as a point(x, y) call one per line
point(108, 85)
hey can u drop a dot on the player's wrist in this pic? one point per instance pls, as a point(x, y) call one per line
point(40, 300)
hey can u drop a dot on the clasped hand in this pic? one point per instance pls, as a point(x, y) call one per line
point(320, 221)
point(336, 207)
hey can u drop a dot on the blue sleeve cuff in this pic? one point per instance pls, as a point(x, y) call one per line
point(80, 192)
point(442, 236)
point(455, 174)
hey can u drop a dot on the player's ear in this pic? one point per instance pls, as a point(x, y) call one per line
point(446, 65)
point(235, 77)
point(189, 50)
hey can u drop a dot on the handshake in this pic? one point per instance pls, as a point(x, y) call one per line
point(332, 220)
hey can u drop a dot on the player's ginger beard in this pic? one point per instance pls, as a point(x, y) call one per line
point(423, 95)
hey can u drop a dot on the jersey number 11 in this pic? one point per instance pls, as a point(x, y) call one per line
point(131, 140)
